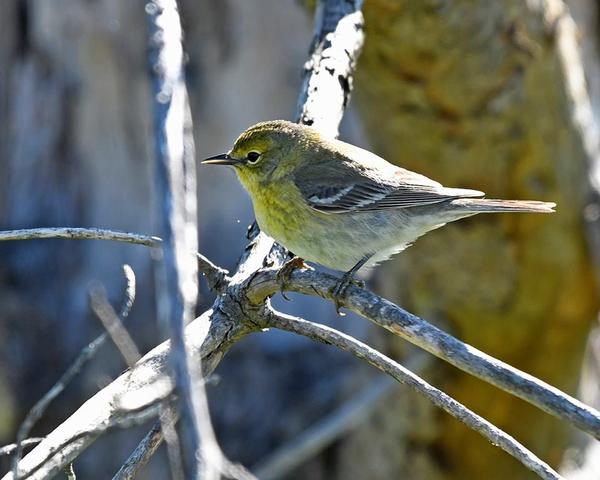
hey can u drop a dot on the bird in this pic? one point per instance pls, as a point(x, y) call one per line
point(341, 206)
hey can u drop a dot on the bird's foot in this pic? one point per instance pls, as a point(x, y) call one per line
point(339, 290)
point(285, 272)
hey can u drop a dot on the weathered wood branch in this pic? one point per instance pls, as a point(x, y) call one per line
point(216, 276)
point(142, 454)
point(240, 310)
point(441, 344)
point(12, 448)
point(176, 276)
point(497, 437)
point(207, 338)
point(327, 78)
point(72, 233)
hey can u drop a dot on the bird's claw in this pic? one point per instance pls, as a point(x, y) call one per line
point(285, 272)
point(339, 290)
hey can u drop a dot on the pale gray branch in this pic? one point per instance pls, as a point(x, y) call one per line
point(28, 442)
point(441, 344)
point(327, 78)
point(176, 276)
point(216, 276)
point(114, 327)
point(71, 233)
point(496, 436)
point(147, 384)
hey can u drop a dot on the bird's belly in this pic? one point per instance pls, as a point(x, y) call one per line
point(339, 241)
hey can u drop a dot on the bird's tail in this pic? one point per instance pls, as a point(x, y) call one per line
point(485, 205)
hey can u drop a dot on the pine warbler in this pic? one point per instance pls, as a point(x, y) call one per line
point(339, 205)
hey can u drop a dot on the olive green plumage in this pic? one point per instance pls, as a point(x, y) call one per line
point(339, 205)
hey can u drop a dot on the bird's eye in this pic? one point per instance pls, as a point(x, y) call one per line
point(253, 157)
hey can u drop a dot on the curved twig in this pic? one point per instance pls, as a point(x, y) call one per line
point(35, 413)
point(216, 276)
point(497, 437)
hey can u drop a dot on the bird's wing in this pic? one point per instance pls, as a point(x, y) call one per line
point(344, 189)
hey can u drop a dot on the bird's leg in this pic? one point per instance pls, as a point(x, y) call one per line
point(346, 280)
point(284, 273)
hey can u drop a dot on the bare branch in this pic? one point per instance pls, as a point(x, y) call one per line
point(79, 234)
point(496, 436)
point(128, 419)
point(150, 443)
point(114, 327)
point(142, 454)
point(327, 78)
point(216, 276)
point(29, 442)
point(176, 276)
point(86, 354)
point(232, 318)
point(441, 344)
point(208, 338)
point(129, 351)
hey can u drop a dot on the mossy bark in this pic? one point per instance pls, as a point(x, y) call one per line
point(473, 94)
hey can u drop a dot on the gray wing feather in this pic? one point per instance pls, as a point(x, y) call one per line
point(358, 191)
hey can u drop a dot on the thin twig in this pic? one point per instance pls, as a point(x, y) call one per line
point(216, 276)
point(208, 337)
point(79, 234)
point(28, 442)
point(130, 353)
point(496, 436)
point(124, 420)
point(141, 455)
point(114, 327)
point(150, 443)
point(84, 356)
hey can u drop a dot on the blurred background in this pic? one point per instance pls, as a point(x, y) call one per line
point(484, 95)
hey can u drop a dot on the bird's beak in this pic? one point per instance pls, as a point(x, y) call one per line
point(221, 159)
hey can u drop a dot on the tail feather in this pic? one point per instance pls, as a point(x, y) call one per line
point(485, 205)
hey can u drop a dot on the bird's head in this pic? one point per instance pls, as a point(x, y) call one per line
point(268, 152)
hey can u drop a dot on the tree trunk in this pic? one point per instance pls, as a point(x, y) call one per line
point(475, 95)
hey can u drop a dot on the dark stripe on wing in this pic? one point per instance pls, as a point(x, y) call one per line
point(371, 196)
